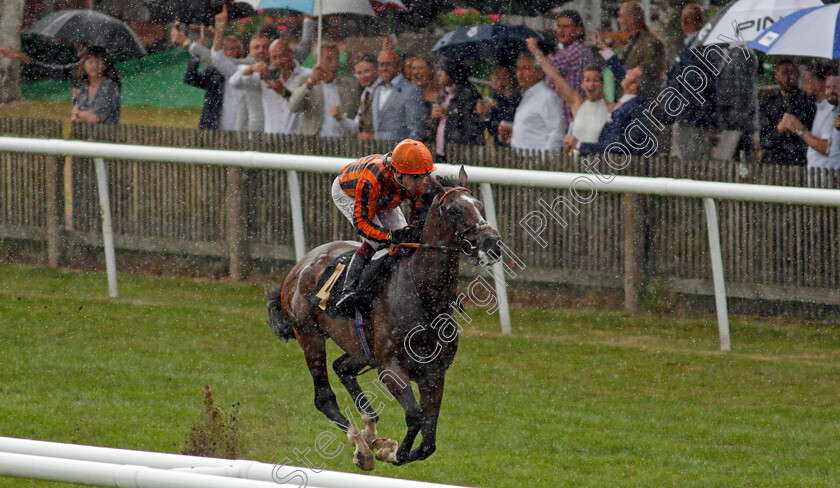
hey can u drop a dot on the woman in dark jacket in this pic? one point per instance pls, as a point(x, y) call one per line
point(455, 111)
point(98, 100)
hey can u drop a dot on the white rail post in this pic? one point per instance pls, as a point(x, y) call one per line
point(297, 214)
point(107, 230)
point(498, 269)
point(717, 273)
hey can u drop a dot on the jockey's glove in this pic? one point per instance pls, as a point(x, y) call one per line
point(401, 235)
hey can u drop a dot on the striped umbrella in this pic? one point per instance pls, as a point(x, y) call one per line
point(745, 19)
point(809, 32)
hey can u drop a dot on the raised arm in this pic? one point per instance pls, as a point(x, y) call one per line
point(247, 78)
point(572, 97)
point(307, 37)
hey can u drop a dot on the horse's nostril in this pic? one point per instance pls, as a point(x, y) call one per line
point(493, 246)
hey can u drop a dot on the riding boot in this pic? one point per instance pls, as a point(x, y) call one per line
point(348, 299)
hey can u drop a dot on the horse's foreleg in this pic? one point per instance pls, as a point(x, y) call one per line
point(431, 397)
point(399, 385)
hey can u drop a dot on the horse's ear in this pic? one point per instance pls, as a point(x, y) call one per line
point(434, 185)
point(462, 177)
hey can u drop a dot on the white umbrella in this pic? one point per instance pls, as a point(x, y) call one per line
point(320, 8)
point(316, 7)
point(810, 32)
point(745, 19)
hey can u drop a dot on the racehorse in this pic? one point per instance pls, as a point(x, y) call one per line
point(410, 342)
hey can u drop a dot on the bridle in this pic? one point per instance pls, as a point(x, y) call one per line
point(466, 246)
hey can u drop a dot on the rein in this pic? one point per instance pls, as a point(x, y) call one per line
point(466, 247)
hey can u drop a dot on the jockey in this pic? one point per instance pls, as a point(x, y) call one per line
point(368, 192)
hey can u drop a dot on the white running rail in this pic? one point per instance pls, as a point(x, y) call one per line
point(709, 191)
point(103, 466)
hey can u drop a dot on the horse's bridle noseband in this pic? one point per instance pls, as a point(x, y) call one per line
point(467, 247)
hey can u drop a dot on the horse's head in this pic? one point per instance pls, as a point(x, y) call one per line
point(459, 217)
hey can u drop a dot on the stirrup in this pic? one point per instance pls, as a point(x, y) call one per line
point(347, 302)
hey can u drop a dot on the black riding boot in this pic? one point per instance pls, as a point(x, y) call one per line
point(347, 301)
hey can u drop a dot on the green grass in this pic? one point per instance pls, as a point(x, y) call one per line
point(574, 398)
point(46, 109)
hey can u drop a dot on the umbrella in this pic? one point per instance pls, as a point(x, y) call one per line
point(750, 16)
point(90, 28)
point(316, 7)
point(199, 12)
point(489, 41)
point(321, 8)
point(809, 32)
point(380, 6)
point(530, 8)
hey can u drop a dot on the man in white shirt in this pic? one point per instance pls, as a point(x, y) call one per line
point(274, 82)
point(247, 113)
point(314, 98)
point(818, 136)
point(831, 91)
point(538, 122)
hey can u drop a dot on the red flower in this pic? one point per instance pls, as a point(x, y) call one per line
point(243, 20)
point(269, 20)
point(284, 28)
point(260, 11)
point(494, 17)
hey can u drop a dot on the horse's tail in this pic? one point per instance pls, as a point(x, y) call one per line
point(277, 320)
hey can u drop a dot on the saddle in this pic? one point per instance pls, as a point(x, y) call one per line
point(373, 276)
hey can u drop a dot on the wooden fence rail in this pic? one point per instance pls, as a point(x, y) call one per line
point(777, 252)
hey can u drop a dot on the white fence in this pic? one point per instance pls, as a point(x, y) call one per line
point(102, 466)
point(708, 191)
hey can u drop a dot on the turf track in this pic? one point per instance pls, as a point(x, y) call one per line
point(574, 398)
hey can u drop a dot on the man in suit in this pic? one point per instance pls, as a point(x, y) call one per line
point(399, 111)
point(628, 109)
point(691, 126)
point(213, 83)
point(361, 125)
point(645, 53)
point(780, 145)
point(315, 97)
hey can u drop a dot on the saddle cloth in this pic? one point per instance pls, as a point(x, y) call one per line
point(329, 285)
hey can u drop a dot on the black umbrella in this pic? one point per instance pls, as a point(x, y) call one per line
point(489, 42)
point(529, 8)
point(198, 12)
point(90, 28)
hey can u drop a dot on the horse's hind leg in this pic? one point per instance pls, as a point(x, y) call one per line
point(315, 352)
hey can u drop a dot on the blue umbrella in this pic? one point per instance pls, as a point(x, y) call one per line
point(810, 32)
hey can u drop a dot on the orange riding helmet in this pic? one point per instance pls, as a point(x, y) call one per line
point(412, 157)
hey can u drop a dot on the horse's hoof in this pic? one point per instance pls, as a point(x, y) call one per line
point(363, 461)
point(380, 442)
point(387, 450)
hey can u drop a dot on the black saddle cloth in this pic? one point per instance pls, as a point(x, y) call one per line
point(331, 282)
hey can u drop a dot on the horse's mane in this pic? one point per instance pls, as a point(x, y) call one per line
point(448, 181)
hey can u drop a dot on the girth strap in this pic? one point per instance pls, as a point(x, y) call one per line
point(360, 332)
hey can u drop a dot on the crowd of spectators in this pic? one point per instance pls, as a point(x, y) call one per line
point(585, 96)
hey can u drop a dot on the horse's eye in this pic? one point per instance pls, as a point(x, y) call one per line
point(454, 211)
